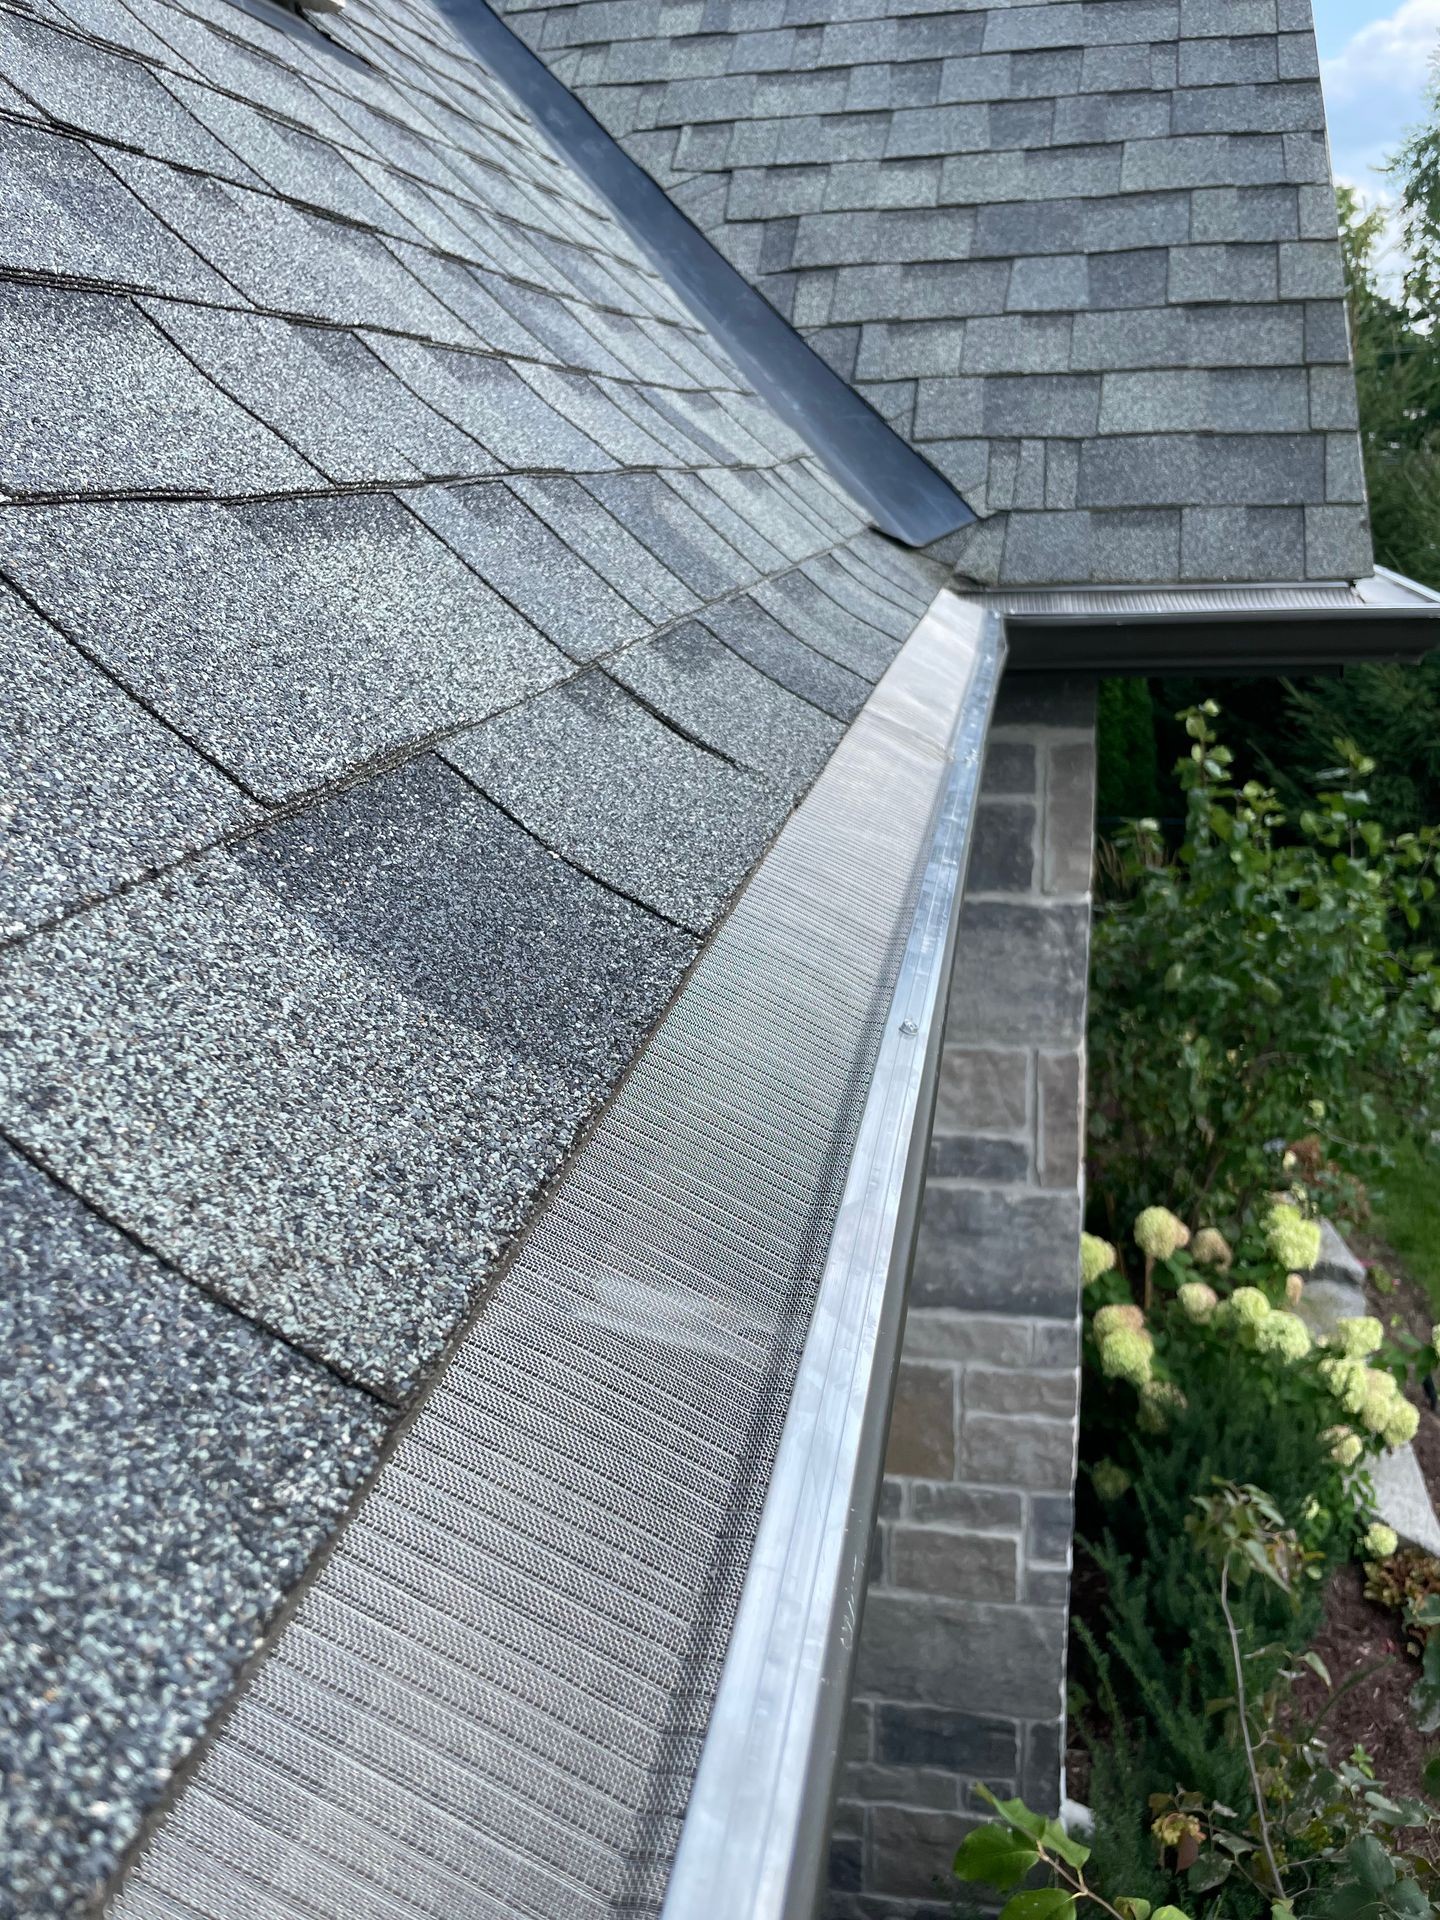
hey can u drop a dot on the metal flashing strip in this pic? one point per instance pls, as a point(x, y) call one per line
point(493, 1698)
point(1261, 628)
point(759, 1815)
point(900, 490)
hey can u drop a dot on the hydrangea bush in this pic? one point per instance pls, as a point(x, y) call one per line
point(1255, 985)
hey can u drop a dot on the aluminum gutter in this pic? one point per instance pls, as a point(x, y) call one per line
point(902, 493)
point(759, 1816)
point(643, 1485)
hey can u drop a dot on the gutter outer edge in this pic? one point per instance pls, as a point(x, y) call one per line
point(759, 1814)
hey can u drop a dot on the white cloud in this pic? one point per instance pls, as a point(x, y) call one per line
point(1375, 87)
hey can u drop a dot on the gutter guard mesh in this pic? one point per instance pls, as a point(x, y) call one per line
point(493, 1699)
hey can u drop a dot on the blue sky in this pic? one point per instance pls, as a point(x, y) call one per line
point(1375, 58)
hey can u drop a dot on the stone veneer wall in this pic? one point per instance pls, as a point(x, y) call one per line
point(962, 1655)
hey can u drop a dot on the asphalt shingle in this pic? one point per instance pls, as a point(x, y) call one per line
point(238, 1457)
point(624, 796)
point(325, 1071)
point(700, 686)
point(94, 399)
point(329, 630)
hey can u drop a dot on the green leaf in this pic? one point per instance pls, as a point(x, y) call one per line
point(997, 1855)
point(1132, 1909)
point(1170, 1913)
point(1056, 1840)
point(1017, 1814)
point(1370, 1863)
point(1039, 1903)
point(1313, 1661)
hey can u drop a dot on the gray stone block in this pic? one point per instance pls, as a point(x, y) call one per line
point(911, 1849)
point(1046, 1586)
point(1040, 1778)
point(1242, 543)
point(1070, 817)
point(1010, 768)
point(1035, 1454)
point(980, 1658)
point(1045, 700)
point(1002, 853)
point(981, 1088)
point(968, 1743)
point(962, 1566)
point(1337, 543)
point(1061, 1146)
point(1056, 1343)
point(963, 1336)
point(1051, 1528)
point(997, 1251)
point(1020, 974)
point(1007, 1390)
point(978, 1157)
point(922, 1423)
point(975, 1509)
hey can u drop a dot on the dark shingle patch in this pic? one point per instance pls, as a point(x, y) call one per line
point(169, 1470)
point(104, 93)
point(707, 691)
point(66, 213)
point(517, 553)
point(317, 633)
point(326, 1072)
point(94, 399)
point(759, 638)
point(581, 523)
point(286, 259)
point(325, 392)
point(810, 613)
point(616, 791)
point(675, 533)
point(490, 401)
point(97, 792)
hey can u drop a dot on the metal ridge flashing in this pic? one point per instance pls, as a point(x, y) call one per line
point(642, 1486)
point(758, 1818)
point(904, 495)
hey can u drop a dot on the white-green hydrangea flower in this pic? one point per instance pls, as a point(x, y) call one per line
point(1097, 1257)
point(1293, 1241)
point(1379, 1400)
point(1401, 1424)
point(1123, 1317)
point(1249, 1306)
point(1346, 1380)
point(1380, 1541)
point(1158, 1400)
point(1358, 1337)
point(1158, 1233)
point(1435, 1336)
point(1343, 1445)
point(1197, 1300)
point(1210, 1248)
point(1127, 1355)
point(1283, 1336)
point(1110, 1479)
point(1294, 1288)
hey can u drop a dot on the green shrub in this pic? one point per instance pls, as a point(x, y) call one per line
point(1257, 985)
point(1127, 770)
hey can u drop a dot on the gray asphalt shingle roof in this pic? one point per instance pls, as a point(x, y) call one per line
point(1000, 222)
point(394, 708)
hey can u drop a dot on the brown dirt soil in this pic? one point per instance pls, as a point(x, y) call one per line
point(1356, 1635)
